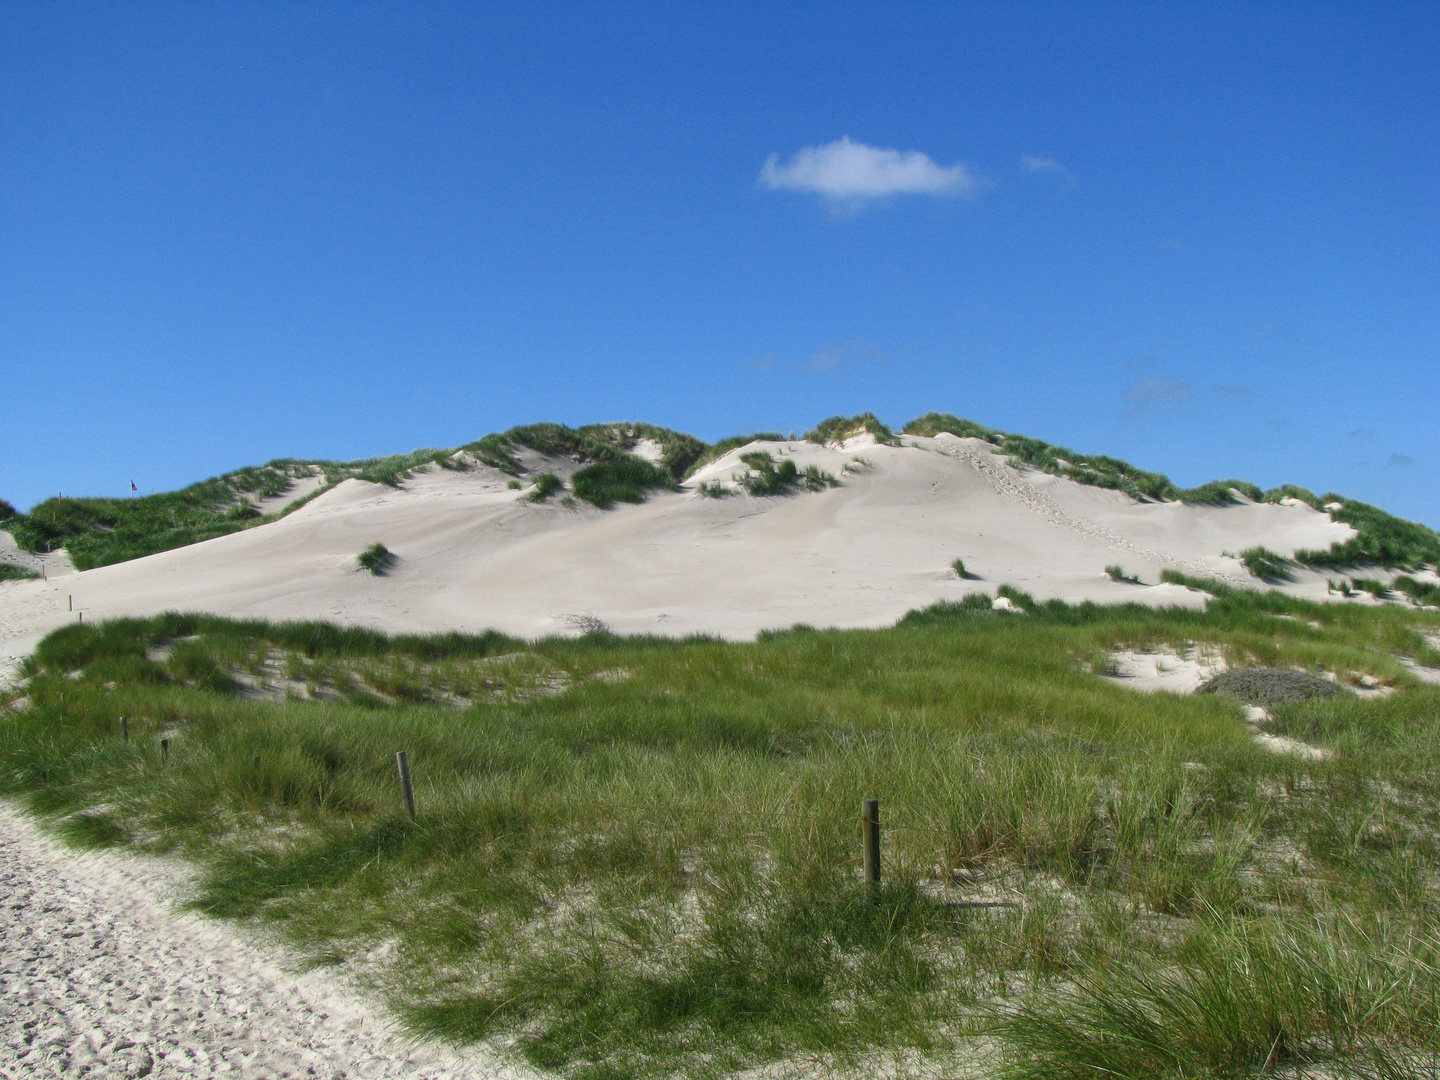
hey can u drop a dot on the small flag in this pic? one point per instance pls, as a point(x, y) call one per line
point(132, 486)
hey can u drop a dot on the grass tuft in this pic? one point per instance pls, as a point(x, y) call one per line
point(546, 484)
point(839, 428)
point(376, 558)
point(1267, 565)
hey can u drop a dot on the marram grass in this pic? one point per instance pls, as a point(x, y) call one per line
point(639, 857)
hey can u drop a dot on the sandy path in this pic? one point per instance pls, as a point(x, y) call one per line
point(100, 977)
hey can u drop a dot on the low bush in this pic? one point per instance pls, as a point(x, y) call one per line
point(11, 572)
point(1269, 686)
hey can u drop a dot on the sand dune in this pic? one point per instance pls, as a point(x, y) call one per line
point(474, 554)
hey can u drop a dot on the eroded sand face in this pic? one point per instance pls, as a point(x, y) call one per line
point(473, 554)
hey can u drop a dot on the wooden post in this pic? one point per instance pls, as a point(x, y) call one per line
point(164, 751)
point(82, 615)
point(870, 823)
point(124, 730)
point(71, 598)
point(402, 763)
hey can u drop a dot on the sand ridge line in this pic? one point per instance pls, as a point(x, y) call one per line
point(1014, 487)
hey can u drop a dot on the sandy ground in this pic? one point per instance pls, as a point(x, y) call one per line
point(474, 554)
point(101, 977)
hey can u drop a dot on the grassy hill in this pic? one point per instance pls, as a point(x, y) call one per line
point(100, 531)
point(640, 857)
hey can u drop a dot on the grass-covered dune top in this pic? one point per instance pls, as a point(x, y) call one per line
point(1383, 539)
point(100, 531)
point(640, 857)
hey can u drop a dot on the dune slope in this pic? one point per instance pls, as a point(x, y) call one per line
point(473, 553)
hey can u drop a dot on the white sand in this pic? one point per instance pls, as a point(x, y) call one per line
point(473, 554)
point(100, 977)
point(1165, 669)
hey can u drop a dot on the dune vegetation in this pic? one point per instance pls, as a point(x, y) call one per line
point(101, 531)
point(640, 856)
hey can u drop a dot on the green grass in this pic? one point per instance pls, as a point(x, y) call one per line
point(769, 477)
point(839, 428)
point(1267, 565)
point(639, 856)
point(100, 531)
point(11, 572)
point(625, 479)
point(1422, 592)
point(959, 567)
point(1116, 573)
point(546, 484)
point(679, 452)
point(376, 558)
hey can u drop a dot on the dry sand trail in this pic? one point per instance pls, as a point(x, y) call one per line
point(474, 554)
point(100, 977)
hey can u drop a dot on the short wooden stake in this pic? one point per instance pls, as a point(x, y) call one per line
point(82, 615)
point(402, 763)
point(71, 598)
point(870, 823)
point(124, 730)
point(164, 751)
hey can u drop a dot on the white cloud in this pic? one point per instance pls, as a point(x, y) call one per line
point(848, 171)
point(1032, 163)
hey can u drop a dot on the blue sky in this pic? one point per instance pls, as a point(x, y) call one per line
point(1199, 237)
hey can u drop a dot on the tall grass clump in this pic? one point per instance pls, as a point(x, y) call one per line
point(377, 558)
point(1382, 540)
point(769, 477)
point(1422, 592)
point(11, 572)
point(839, 428)
point(626, 479)
point(546, 484)
point(1267, 565)
point(1244, 998)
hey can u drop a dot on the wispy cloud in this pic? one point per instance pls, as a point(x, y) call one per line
point(1031, 163)
point(1399, 461)
point(1147, 393)
point(849, 172)
point(1232, 390)
point(1362, 433)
